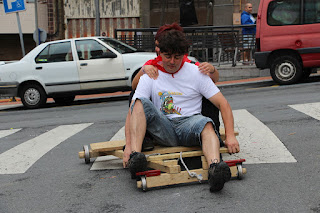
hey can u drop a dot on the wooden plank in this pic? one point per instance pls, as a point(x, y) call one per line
point(170, 162)
point(171, 179)
point(167, 150)
point(159, 165)
point(184, 154)
point(166, 179)
point(107, 146)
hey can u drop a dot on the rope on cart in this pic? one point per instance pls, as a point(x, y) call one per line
point(191, 174)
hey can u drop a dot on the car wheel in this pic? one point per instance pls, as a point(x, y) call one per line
point(33, 96)
point(286, 70)
point(64, 100)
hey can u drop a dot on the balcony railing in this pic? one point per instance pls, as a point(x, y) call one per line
point(215, 44)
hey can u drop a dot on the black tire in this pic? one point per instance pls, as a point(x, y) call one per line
point(33, 96)
point(306, 73)
point(64, 100)
point(286, 70)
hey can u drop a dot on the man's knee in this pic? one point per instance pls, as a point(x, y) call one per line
point(208, 129)
point(138, 104)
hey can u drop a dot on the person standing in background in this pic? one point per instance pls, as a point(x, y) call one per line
point(248, 32)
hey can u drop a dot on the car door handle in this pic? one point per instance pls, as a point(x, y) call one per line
point(83, 64)
point(38, 68)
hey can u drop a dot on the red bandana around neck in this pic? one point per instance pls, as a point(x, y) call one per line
point(157, 62)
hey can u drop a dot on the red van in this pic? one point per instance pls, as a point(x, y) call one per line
point(288, 38)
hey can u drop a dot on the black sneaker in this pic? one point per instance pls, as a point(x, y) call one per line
point(137, 163)
point(219, 173)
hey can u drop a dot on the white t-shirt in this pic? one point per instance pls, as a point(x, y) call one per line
point(179, 94)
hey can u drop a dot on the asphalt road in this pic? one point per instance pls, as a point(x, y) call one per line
point(54, 179)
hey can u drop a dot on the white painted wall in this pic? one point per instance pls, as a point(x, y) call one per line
point(8, 22)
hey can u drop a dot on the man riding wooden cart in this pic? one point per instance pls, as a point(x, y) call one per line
point(169, 109)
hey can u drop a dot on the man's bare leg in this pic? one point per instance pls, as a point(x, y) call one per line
point(138, 125)
point(219, 172)
point(210, 144)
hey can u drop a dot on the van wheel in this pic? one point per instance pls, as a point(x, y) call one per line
point(286, 70)
point(64, 100)
point(33, 96)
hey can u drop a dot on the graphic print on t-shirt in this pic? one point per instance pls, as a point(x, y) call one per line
point(167, 105)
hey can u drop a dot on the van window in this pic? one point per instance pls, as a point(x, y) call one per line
point(311, 11)
point(57, 52)
point(286, 12)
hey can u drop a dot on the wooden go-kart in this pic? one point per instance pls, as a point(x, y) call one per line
point(164, 161)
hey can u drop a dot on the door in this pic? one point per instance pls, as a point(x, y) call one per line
point(97, 68)
point(56, 68)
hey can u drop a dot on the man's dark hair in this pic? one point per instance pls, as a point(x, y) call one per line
point(173, 42)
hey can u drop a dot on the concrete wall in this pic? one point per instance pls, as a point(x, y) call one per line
point(8, 22)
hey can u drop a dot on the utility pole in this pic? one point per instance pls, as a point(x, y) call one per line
point(37, 40)
point(97, 17)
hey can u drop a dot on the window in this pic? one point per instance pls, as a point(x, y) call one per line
point(90, 49)
point(57, 52)
point(119, 46)
point(311, 11)
point(286, 12)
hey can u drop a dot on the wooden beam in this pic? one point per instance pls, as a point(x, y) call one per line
point(107, 146)
point(184, 154)
point(166, 179)
point(159, 165)
point(171, 179)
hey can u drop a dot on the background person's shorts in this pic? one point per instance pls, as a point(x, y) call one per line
point(248, 41)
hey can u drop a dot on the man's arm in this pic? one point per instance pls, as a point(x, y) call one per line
point(150, 70)
point(222, 104)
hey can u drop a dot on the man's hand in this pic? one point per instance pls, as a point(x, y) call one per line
point(209, 70)
point(206, 68)
point(151, 71)
point(232, 144)
point(126, 156)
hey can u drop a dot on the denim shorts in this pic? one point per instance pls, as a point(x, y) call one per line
point(248, 41)
point(181, 131)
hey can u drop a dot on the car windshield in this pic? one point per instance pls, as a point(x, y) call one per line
point(119, 46)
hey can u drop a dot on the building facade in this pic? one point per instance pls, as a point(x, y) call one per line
point(77, 18)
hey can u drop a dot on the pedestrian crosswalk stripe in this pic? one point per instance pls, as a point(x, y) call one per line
point(258, 144)
point(311, 109)
point(5, 133)
point(20, 158)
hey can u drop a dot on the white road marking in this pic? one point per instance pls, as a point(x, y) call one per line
point(20, 158)
point(311, 109)
point(258, 144)
point(110, 162)
point(5, 133)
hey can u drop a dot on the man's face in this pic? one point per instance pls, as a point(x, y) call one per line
point(171, 62)
point(248, 8)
